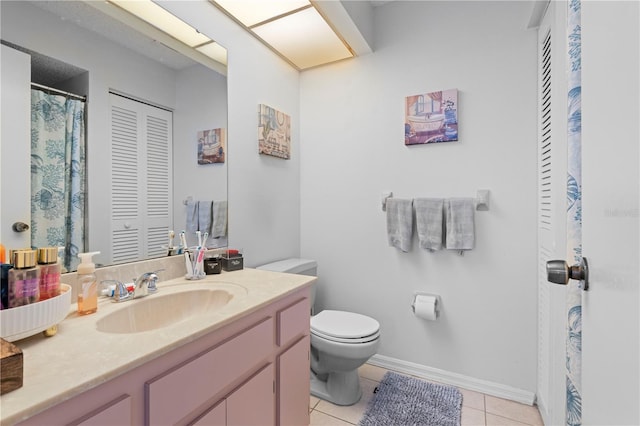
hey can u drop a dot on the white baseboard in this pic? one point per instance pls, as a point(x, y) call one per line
point(454, 379)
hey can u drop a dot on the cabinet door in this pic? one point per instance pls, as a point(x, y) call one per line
point(253, 404)
point(294, 384)
point(178, 393)
point(117, 412)
point(217, 416)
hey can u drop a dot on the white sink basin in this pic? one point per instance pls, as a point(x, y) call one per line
point(161, 310)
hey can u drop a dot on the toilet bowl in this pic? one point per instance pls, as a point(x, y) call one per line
point(340, 343)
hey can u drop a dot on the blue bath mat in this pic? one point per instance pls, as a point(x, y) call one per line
point(405, 401)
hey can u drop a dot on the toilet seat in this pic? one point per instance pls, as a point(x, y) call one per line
point(345, 327)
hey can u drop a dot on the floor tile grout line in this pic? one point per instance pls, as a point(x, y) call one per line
point(484, 404)
point(331, 415)
point(508, 418)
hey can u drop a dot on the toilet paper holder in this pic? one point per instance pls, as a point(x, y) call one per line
point(437, 302)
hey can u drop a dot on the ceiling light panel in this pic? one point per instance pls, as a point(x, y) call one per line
point(214, 51)
point(304, 38)
point(163, 20)
point(252, 12)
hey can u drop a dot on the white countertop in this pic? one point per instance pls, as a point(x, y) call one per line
point(79, 357)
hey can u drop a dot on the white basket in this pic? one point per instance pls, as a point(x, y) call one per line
point(27, 320)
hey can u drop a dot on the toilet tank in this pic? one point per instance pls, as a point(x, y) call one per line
point(293, 266)
point(296, 266)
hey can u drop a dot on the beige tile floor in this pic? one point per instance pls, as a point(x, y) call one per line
point(477, 409)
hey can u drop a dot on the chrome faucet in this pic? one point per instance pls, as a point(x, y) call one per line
point(144, 285)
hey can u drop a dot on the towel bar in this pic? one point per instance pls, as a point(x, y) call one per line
point(482, 199)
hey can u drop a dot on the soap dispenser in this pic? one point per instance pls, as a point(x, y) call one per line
point(88, 291)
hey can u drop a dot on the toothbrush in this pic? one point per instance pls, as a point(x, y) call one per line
point(199, 237)
point(200, 258)
point(187, 261)
point(171, 236)
point(204, 240)
point(183, 242)
point(194, 261)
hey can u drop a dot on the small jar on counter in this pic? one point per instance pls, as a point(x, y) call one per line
point(49, 272)
point(23, 279)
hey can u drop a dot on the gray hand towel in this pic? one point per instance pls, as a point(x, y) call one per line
point(205, 217)
point(460, 223)
point(429, 222)
point(399, 223)
point(192, 216)
point(219, 228)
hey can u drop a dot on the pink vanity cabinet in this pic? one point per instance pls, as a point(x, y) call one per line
point(252, 371)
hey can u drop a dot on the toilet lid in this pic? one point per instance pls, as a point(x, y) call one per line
point(340, 325)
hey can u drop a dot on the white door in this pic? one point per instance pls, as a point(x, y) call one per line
point(141, 176)
point(15, 147)
point(611, 215)
point(552, 182)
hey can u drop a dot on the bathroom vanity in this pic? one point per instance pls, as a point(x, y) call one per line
point(242, 361)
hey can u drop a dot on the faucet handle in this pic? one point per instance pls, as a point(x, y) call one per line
point(153, 279)
point(121, 293)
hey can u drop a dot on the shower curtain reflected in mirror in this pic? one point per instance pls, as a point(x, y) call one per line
point(58, 174)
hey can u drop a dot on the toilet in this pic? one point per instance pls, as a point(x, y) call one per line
point(340, 342)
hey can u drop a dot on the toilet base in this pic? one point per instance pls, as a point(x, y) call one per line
point(340, 388)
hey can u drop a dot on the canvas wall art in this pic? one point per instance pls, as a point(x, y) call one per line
point(431, 117)
point(274, 132)
point(211, 146)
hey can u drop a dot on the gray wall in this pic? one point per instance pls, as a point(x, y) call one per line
point(201, 104)
point(352, 116)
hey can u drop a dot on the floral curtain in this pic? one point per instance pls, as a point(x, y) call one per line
point(58, 174)
point(574, 215)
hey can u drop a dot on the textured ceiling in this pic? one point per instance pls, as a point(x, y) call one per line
point(89, 18)
point(46, 70)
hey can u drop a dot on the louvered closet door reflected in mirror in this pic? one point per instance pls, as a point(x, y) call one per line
point(141, 177)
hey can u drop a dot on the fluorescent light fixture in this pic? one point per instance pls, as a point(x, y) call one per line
point(304, 38)
point(214, 51)
point(162, 20)
point(294, 29)
point(252, 12)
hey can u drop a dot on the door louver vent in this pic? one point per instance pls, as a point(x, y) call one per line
point(124, 168)
point(158, 151)
point(545, 136)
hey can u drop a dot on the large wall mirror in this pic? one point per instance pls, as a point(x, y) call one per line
point(75, 48)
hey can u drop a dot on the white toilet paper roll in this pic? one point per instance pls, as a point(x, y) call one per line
point(426, 307)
